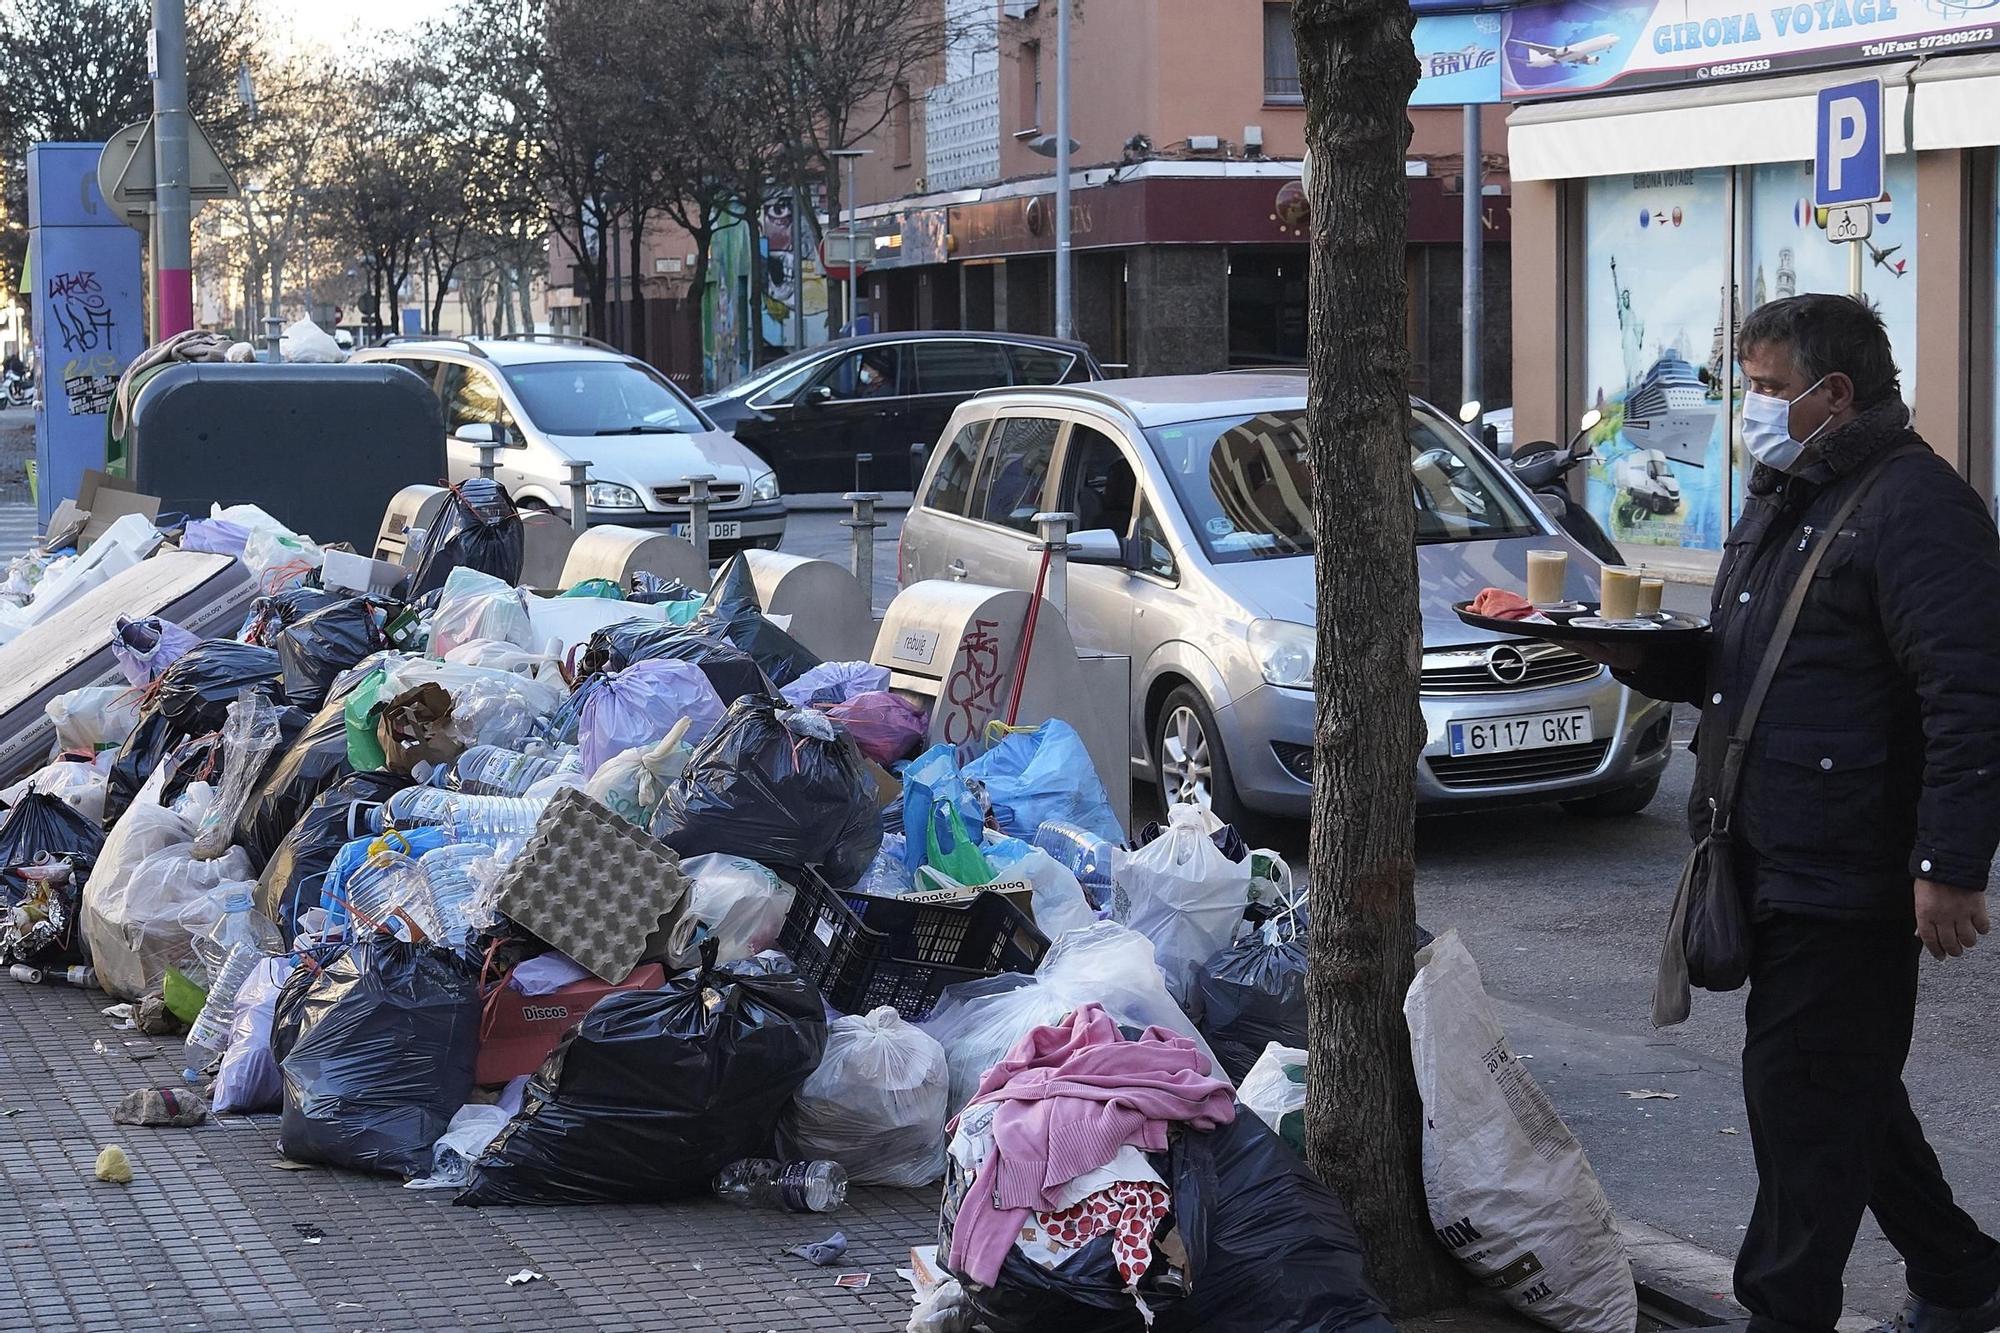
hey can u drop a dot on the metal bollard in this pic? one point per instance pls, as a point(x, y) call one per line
point(489, 459)
point(579, 494)
point(1053, 530)
point(274, 336)
point(862, 463)
point(698, 500)
point(863, 526)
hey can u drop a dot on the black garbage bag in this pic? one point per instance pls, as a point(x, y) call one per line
point(316, 648)
point(191, 698)
point(733, 611)
point(1251, 994)
point(781, 785)
point(479, 529)
point(656, 1091)
point(305, 767)
point(1269, 1250)
point(387, 1038)
point(729, 669)
point(271, 615)
point(649, 589)
point(294, 875)
point(45, 836)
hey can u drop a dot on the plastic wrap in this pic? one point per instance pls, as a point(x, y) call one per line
point(388, 1035)
point(634, 708)
point(876, 1104)
point(779, 784)
point(478, 529)
point(248, 737)
point(488, 707)
point(476, 606)
point(1186, 896)
point(656, 1091)
point(978, 1022)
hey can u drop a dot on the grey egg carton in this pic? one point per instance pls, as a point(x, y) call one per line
point(595, 886)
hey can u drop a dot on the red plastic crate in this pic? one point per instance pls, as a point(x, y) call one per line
point(518, 1031)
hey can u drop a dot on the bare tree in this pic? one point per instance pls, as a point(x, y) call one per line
point(1364, 1120)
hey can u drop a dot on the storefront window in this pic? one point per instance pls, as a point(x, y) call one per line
point(1657, 358)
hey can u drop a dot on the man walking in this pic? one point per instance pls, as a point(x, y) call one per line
point(1867, 813)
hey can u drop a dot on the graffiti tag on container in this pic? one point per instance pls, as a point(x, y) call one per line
point(82, 315)
point(972, 692)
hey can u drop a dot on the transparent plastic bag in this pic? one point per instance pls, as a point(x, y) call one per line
point(248, 738)
point(475, 606)
point(488, 707)
point(78, 785)
point(735, 900)
point(1187, 897)
point(96, 717)
point(249, 1079)
point(876, 1104)
point(978, 1022)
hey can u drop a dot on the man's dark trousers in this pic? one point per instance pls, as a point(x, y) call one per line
point(1832, 1003)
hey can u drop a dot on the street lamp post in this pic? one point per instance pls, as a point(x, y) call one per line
point(1065, 281)
point(848, 157)
point(173, 260)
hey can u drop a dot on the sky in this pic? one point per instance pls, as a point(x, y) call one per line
point(332, 23)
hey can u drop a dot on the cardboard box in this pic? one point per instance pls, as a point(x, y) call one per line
point(518, 1031)
point(106, 499)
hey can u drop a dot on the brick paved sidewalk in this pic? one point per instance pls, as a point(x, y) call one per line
point(204, 1237)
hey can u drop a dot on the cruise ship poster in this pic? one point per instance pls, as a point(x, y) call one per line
point(1656, 270)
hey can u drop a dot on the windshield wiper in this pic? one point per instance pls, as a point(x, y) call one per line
point(641, 430)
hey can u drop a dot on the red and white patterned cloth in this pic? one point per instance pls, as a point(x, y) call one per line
point(1129, 1210)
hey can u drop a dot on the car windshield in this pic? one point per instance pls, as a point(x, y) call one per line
point(600, 398)
point(785, 367)
point(1246, 487)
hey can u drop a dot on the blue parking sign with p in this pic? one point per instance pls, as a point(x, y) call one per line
point(1847, 144)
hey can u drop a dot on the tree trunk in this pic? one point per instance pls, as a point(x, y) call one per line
point(704, 243)
point(636, 253)
point(759, 280)
point(1364, 1120)
point(524, 289)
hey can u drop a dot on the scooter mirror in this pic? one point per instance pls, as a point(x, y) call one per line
point(1590, 420)
point(1469, 413)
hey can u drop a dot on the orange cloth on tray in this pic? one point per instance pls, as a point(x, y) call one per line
point(1499, 604)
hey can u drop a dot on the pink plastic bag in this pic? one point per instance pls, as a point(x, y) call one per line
point(886, 727)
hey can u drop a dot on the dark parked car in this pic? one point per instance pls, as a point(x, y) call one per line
point(812, 413)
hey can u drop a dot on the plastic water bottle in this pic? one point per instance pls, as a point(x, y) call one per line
point(798, 1187)
point(1084, 854)
point(393, 891)
point(453, 888)
point(208, 1037)
point(240, 923)
point(492, 770)
point(416, 807)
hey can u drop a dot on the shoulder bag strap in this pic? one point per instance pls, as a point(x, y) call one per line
point(1723, 803)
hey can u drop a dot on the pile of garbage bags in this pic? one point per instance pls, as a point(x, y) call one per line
point(560, 899)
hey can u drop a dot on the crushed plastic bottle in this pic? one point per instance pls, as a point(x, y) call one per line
point(392, 891)
point(240, 923)
point(797, 1187)
point(462, 815)
point(492, 770)
point(452, 886)
point(1083, 854)
point(208, 1036)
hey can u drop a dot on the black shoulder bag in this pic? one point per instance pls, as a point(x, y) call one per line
point(1708, 934)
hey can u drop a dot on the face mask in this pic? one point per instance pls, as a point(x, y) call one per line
point(1767, 429)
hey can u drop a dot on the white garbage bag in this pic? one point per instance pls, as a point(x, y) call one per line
point(742, 904)
point(474, 605)
point(145, 876)
point(876, 1104)
point(96, 717)
point(1510, 1191)
point(978, 1022)
point(1186, 896)
point(1275, 1091)
point(250, 1079)
point(305, 341)
point(80, 785)
point(633, 782)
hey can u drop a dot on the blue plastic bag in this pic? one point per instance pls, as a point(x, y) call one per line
point(933, 777)
point(1035, 776)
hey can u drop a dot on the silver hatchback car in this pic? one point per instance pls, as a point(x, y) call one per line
point(1195, 559)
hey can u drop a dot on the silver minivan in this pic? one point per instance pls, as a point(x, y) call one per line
point(1194, 557)
point(550, 399)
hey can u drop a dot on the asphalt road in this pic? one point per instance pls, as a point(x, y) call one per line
point(1565, 917)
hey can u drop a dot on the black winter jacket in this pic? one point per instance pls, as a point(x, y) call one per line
point(1876, 757)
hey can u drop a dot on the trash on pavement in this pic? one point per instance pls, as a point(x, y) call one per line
point(822, 1253)
point(876, 1104)
point(175, 1107)
point(1252, 994)
point(1505, 1178)
point(1186, 896)
point(523, 1278)
point(113, 1166)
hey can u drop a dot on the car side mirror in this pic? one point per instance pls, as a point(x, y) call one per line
point(477, 432)
point(1096, 546)
point(1552, 505)
point(818, 396)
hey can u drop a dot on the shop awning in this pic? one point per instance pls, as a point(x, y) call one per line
point(1958, 102)
point(1724, 124)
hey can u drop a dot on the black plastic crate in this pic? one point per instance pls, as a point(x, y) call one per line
point(864, 951)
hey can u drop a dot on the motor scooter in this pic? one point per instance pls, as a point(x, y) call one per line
point(1544, 467)
point(20, 388)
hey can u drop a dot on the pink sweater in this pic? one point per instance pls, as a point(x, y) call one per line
point(1069, 1097)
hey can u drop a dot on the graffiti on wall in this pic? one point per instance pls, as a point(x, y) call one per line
point(82, 316)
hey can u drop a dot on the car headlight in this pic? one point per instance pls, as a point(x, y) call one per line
point(765, 487)
point(610, 495)
point(1285, 652)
